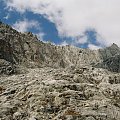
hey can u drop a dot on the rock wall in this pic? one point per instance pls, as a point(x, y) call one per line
point(25, 49)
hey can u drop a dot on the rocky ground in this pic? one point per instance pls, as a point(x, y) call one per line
point(83, 93)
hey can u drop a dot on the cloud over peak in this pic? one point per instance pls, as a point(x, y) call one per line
point(25, 25)
point(73, 17)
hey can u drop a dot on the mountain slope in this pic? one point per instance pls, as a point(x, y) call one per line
point(46, 82)
point(26, 50)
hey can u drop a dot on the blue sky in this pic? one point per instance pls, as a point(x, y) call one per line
point(48, 28)
point(65, 22)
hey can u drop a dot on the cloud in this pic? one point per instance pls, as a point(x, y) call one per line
point(7, 16)
point(25, 25)
point(40, 36)
point(76, 41)
point(73, 17)
point(81, 40)
point(93, 47)
point(64, 43)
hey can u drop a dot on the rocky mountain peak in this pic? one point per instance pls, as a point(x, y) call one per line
point(114, 49)
point(114, 46)
point(26, 50)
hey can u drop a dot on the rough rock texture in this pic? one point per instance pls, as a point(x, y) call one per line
point(61, 94)
point(111, 58)
point(26, 50)
point(41, 81)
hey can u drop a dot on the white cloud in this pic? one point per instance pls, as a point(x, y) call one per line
point(40, 36)
point(81, 40)
point(25, 25)
point(93, 47)
point(64, 43)
point(73, 17)
point(7, 16)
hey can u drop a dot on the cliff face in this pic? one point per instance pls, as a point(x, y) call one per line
point(26, 50)
point(56, 82)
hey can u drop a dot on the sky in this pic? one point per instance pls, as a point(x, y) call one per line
point(90, 24)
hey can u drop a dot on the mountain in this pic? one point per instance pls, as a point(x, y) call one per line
point(26, 50)
point(41, 81)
